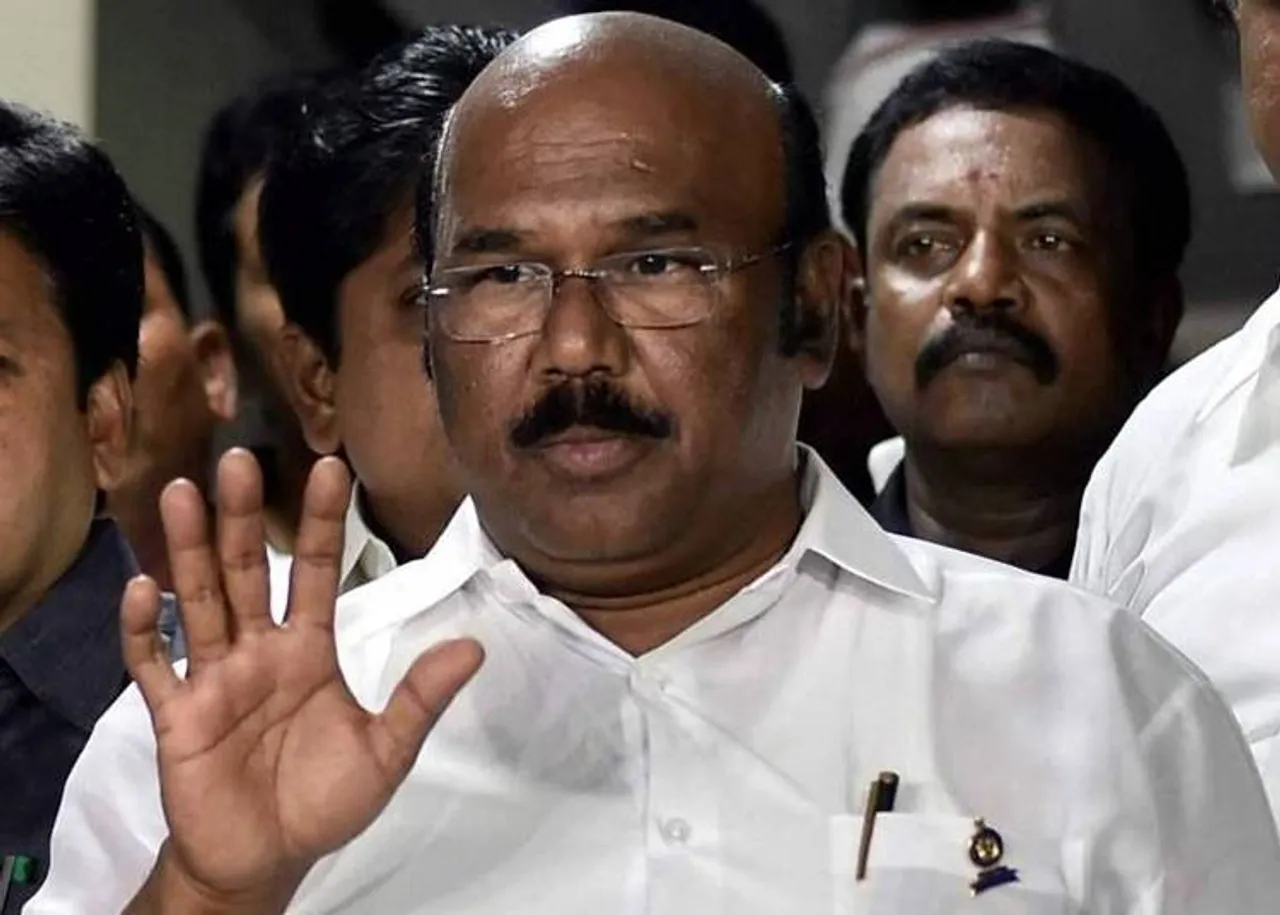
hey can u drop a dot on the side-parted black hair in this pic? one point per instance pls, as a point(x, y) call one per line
point(242, 138)
point(326, 203)
point(167, 255)
point(808, 215)
point(61, 197)
point(743, 25)
point(1006, 76)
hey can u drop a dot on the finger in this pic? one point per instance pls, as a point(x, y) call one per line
point(419, 700)
point(317, 555)
point(242, 551)
point(195, 573)
point(146, 657)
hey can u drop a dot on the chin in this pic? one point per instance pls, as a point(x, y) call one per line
point(987, 436)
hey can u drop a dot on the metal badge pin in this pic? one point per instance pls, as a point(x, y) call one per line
point(986, 851)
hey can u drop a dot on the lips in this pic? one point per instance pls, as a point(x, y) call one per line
point(1000, 349)
point(586, 454)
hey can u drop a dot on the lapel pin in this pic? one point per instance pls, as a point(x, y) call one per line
point(986, 851)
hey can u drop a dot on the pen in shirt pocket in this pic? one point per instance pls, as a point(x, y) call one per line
point(880, 799)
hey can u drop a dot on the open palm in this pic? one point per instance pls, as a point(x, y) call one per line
point(267, 762)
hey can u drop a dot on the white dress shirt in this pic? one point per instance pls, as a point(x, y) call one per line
point(1181, 523)
point(726, 771)
point(364, 558)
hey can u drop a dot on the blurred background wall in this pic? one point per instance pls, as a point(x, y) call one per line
point(145, 75)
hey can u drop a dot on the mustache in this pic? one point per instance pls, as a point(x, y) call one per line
point(992, 332)
point(596, 404)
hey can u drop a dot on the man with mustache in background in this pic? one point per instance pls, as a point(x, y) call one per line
point(1021, 219)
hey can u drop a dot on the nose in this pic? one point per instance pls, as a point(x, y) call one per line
point(579, 339)
point(985, 278)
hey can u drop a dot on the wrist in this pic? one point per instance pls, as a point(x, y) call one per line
point(172, 890)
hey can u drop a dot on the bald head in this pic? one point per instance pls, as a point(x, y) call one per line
point(616, 42)
point(585, 102)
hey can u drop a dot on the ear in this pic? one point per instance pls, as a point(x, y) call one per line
point(819, 294)
point(109, 421)
point(310, 385)
point(217, 368)
point(856, 303)
point(1156, 326)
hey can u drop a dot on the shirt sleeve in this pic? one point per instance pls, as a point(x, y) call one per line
point(1218, 845)
point(1089, 561)
point(111, 823)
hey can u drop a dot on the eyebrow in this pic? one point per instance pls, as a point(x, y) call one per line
point(653, 225)
point(1049, 209)
point(643, 226)
point(487, 241)
point(924, 212)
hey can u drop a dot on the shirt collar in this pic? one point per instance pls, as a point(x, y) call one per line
point(66, 649)
point(1257, 341)
point(835, 527)
point(365, 557)
point(841, 531)
point(462, 551)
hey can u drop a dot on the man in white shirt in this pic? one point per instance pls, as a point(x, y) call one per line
point(1010, 318)
point(699, 650)
point(336, 230)
point(1181, 519)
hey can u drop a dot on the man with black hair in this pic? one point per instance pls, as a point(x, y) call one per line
point(336, 225)
point(186, 387)
point(1011, 317)
point(241, 140)
point(70, 302)
point(884, 51)
point(698, 651)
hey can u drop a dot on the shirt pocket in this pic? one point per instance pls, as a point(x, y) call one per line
point(919, 865)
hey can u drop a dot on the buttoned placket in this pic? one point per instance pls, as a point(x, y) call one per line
point(672, 751)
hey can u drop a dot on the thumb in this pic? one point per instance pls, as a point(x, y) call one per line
point(419, 700)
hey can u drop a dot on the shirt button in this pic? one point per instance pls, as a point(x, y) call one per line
point(675, 831)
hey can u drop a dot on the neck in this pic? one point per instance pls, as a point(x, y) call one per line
point(17, 601)
point(1008, 506)
point(289, 470)
point(145, 533)
point(648, 619)
point(410, 527)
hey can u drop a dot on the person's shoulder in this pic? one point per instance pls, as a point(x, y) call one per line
point(989, 609)
point(1193, 393)
point(418, 589)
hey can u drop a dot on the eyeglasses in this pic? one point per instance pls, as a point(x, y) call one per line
point(660, 289)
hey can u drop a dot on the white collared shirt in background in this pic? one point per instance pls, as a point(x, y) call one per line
point(1181, 523)
point(726, 771)
point(365, 558)
point(882, 54)
point(883, 459)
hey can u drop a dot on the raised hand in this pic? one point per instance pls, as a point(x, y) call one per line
point(267, 762)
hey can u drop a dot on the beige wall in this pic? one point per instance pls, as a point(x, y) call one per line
point(47, 56)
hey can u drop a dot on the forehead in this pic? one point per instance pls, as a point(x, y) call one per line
point(590, 141)
point(27, 307)
point(963, 156)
